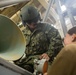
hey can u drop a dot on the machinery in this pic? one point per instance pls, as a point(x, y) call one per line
point(40, 66)
point(12, 42)
point(12, 47)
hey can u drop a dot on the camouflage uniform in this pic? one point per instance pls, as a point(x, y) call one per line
point(44, 39)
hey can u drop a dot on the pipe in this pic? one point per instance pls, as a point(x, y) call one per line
point(62, 20)
point(47, 11)
point(71, 17)
point(4, 3)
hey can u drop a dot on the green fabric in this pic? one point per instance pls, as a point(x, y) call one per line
point(44, 39)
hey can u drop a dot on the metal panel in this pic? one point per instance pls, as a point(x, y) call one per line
point(4, 3)
point(7, 68)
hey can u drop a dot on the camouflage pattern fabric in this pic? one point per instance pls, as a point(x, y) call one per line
point(44, 39)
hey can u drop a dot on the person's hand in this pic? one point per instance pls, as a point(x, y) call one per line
point(45, 73)
point(44, 56)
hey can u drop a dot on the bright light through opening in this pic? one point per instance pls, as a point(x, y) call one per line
point(63, 8)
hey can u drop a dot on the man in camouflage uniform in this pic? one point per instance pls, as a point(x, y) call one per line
point(42, 39)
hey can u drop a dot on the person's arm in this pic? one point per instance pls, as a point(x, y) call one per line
point(65, 63)
point(55, 43)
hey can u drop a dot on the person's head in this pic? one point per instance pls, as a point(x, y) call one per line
point(30, 16)
point(70, 36)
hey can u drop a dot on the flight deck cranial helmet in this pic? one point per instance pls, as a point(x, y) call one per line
point(29, 14)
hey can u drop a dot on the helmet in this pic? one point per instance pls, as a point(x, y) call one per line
point(29, 14)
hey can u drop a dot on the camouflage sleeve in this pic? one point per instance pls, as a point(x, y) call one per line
point(55, 43)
